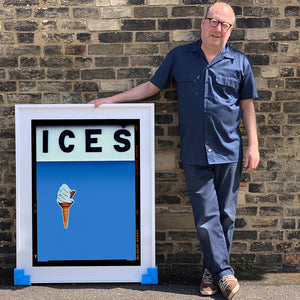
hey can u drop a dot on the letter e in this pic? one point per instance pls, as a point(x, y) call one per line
point(89, 140)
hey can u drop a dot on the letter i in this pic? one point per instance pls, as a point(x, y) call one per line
point(45, 141)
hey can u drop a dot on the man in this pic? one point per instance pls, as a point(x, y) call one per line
point(215, 88)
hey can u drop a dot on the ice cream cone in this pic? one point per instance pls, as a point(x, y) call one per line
point(65, 211)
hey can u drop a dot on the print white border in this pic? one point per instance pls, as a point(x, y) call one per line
point(25, 272)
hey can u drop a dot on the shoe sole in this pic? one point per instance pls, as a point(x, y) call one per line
point(234, 291)
point(208, 293)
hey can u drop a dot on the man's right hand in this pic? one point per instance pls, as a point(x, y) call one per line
point(100, 101)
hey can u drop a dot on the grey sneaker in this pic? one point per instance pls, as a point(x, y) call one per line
point(207, 286)
point(229, 286)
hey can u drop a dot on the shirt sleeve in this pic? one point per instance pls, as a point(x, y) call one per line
point(164, 74)
point(248, 89)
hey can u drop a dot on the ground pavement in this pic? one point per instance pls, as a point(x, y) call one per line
point(279, 286)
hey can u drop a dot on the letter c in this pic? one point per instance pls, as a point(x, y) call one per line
point(61, 141)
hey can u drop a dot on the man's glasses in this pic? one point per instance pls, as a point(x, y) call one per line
point(214, 23)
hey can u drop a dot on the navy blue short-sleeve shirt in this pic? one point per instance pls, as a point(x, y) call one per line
point(209, 96)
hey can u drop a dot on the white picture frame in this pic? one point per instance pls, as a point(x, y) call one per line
point(30, 120)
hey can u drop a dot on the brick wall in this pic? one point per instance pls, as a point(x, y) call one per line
point(72, 51)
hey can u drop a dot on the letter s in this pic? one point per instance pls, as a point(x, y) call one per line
point(119, 139)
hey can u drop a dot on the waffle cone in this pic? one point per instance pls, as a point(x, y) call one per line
point(65, 211)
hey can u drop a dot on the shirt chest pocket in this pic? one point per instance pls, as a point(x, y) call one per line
point(228, 82)
point(227, 87)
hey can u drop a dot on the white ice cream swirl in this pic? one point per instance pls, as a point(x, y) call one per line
point(64, 194)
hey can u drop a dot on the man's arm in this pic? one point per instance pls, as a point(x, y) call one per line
point(249, 120)
point(139, 92)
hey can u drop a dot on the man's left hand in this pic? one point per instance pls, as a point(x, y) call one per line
point(251, 159)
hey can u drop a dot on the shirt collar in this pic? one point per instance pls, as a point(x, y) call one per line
point(225, 53)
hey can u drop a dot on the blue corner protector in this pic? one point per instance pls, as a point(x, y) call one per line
point(151, 277)
point(20, 278)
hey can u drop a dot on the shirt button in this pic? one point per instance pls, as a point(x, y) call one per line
point(209, 150)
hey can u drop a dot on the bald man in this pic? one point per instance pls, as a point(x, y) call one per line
point(215, 89)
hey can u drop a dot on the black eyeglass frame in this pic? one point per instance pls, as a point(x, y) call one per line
point(219, 22)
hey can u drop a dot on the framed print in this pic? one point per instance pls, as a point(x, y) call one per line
point(85, 193)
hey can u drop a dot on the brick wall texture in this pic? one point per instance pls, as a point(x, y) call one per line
point(73, 51)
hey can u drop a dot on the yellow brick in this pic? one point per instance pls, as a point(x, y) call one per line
point(163, 2)
point(98, 25)
point(102, 3)
point(165, 161)
point(116, 12)
point(269, 72)
point(241, 198)
point(118, 2)
point(115, 85)
point(257, 35)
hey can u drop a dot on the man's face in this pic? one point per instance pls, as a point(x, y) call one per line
point(215, 38)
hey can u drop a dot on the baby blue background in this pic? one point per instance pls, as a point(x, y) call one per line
point(102, 219)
